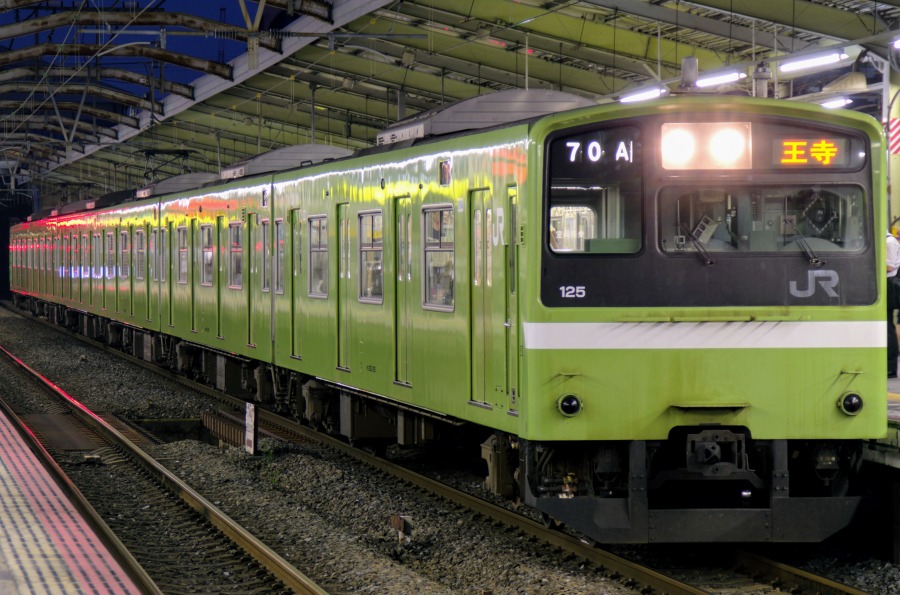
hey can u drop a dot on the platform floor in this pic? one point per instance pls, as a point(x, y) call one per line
point(894, 399)
point(46, 546)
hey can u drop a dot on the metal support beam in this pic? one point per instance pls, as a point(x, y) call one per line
point(93, 50)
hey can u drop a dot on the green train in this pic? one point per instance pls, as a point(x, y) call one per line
point(661, 322)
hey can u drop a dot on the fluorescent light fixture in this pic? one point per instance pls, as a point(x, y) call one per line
point(642, 95)
point(897, 44)
point(720, 79)
point(839, 102)
point(820, 60)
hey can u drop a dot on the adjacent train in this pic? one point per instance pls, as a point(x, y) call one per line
point(662, 322)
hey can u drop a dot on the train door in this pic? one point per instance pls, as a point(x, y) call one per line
point(42, 272)
point(268, 296)
point(152, 272)
point(97, 270)
point(481, 310)
point(192, 259)
point(512, 311)
point(74, 268)
point(343, 288)
point(297, 281)
point(65, 289)
point(251, 276)
point(206, 294)
point(124, 285)
point(109, 270)
point(221, 241)
point(85, 280)
point(489, 300)
point(141, 282)
point(404, 295)
point(166, 268)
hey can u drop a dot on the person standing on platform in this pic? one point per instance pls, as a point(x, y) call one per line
point(893, 263)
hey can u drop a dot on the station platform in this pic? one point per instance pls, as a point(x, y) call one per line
point(46, 545)
point(894, 400)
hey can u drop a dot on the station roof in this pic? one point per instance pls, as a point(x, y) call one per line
point(106, 95)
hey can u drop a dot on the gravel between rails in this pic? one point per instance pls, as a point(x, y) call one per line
point(326, 513)
point(329, 515)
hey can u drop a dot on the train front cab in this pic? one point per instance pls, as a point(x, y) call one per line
point(707, 353)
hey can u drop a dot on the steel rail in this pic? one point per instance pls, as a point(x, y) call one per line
point(109, 538)
point(807, 581)
point(268, 558)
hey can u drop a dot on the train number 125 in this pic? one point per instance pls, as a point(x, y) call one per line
point(572, 291)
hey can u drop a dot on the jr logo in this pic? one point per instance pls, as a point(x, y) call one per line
point(827, 279)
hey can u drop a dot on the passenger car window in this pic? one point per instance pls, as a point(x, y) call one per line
point(279, 256)
point(371, 246)
point(318, 256)
point(124, 254)
point(206, 267)
point(439, 258)
point(266, 257)
point(110, 255)
point(182, 268)
point(235, 256)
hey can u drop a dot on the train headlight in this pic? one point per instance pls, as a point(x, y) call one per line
point(727, 146)
point(706, 145)
point(850, 403)
point(678, 146)
point(568, 405)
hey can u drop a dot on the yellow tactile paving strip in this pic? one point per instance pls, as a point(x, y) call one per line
point(46, 547)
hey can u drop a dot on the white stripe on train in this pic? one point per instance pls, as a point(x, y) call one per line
point(706, 335)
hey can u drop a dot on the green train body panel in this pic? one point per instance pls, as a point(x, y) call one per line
point(206, 307)
point(394, 346)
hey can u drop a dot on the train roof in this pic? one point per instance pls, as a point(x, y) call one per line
point(177, 184)
point(284, 158)
point(484, 111)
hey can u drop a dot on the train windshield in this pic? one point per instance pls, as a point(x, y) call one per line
point(637, 212)
point(595, 192)
point(756, 219)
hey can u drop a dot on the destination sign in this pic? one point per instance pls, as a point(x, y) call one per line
point(818, 152)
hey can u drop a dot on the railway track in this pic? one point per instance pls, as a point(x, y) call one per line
point(767, 576)
point(181, 542)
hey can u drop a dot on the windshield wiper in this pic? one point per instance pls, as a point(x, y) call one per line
point(701, 250)
point(801, 241)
